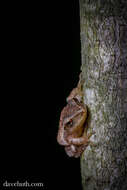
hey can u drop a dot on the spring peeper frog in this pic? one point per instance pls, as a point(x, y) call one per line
point(71, 132)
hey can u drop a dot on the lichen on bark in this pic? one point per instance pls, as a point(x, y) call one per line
point(104, 69)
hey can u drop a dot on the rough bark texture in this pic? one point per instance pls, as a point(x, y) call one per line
point(104, 70)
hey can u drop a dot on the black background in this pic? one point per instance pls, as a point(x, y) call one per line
point(40, 66)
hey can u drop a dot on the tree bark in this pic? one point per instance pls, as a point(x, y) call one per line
point(104, 69)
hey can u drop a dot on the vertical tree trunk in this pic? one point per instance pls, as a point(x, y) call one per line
point(104, 70)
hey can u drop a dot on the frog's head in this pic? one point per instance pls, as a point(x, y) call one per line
point(76, 115)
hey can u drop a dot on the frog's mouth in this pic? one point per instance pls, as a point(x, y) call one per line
point(60, 137)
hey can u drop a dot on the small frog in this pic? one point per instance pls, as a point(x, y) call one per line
point(71, 133)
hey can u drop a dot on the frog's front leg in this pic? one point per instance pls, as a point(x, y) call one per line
point(78, 140)
point(84, 139)
point(88, 136)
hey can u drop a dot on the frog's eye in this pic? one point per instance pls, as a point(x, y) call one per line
point(70, 123)
point(77, 101)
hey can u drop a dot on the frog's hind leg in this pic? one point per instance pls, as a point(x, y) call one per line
point(74, 151)
point(70, 150)
point(84, 139)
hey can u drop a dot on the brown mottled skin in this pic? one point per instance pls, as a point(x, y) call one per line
point(71, 125)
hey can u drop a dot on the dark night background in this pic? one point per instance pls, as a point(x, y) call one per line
point(40, 66)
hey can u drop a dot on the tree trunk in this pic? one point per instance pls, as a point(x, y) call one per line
point(104, 70)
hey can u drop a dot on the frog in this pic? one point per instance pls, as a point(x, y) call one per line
point(72, 132)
